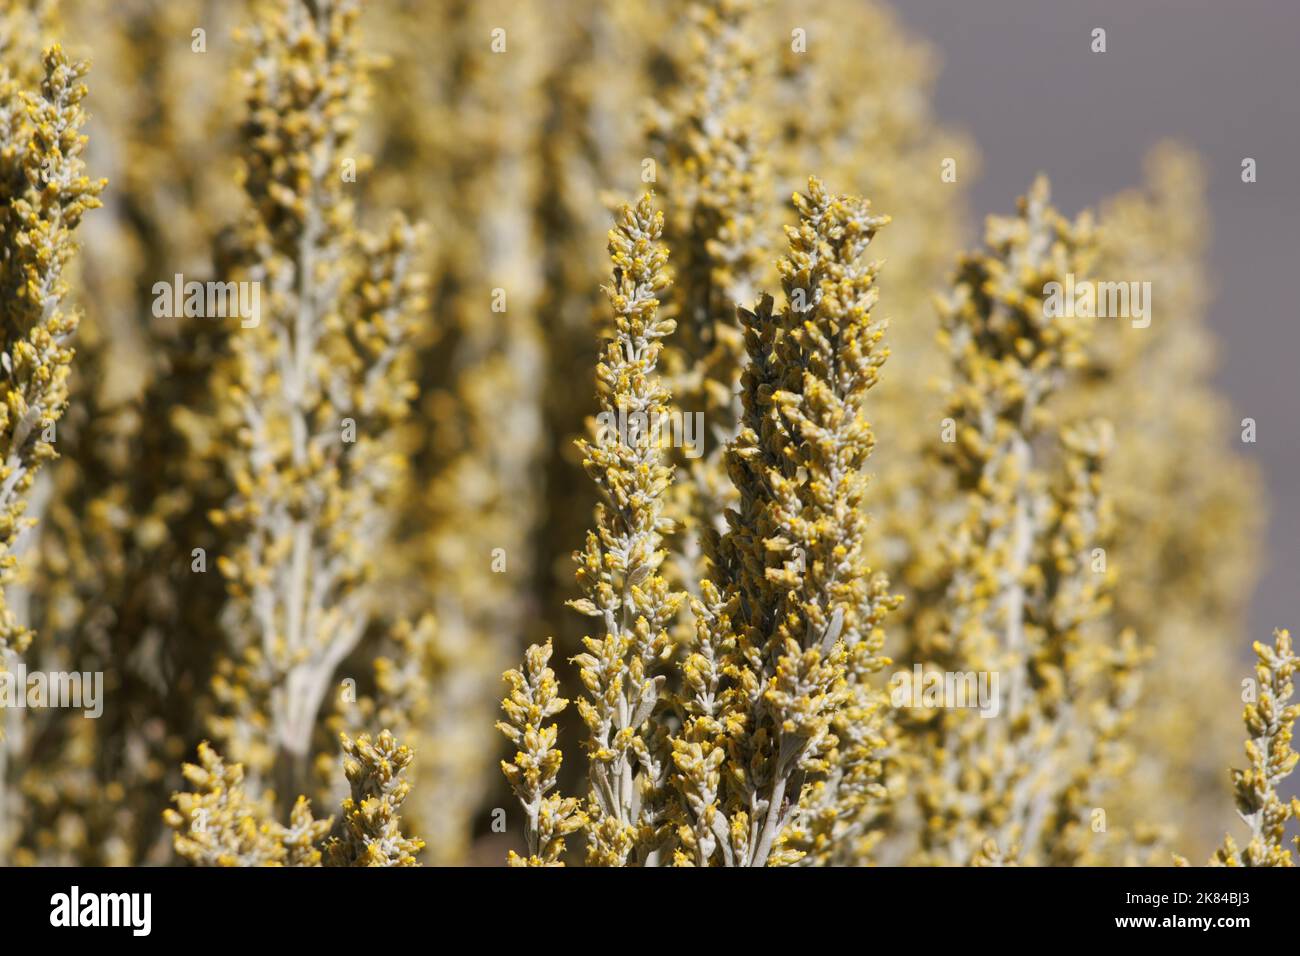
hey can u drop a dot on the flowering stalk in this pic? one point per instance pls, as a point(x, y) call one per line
point(312, 393)
point(548, 818)
point(1025, 584)
point(766, 750)
point(1006, 359)
point(371, 833)
point(219, 824)
point(618, 572)
point(799, 634)
point(716, 179)
point(619, 568)
point(44, 192)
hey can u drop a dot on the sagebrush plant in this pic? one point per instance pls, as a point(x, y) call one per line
point(304, 546)
point(311, 392)
point(619, 575)
point(805, 607)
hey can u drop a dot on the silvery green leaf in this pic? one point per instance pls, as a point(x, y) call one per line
point(832, 632)
point(649, 697)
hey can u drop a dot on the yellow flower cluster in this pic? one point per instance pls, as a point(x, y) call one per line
point(801, 728)
point(371, 826)
point(1270, 718)
point(619, 567)
point(533, 701)
point(219, 824)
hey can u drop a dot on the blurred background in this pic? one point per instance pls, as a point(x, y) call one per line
point(1021, 77)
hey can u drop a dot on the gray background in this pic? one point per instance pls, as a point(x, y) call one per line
point(1019, 76)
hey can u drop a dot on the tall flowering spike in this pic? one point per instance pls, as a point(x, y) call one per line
point(805, 606)
point(1022, 596)
point(798, 460)
point(619, 568)
point(716, 180)
point(371, 827)
point(316, 385)
point(44, 193)
point(717, 185)
point(1270, 723)
point(629, 815)
point(548, 818)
